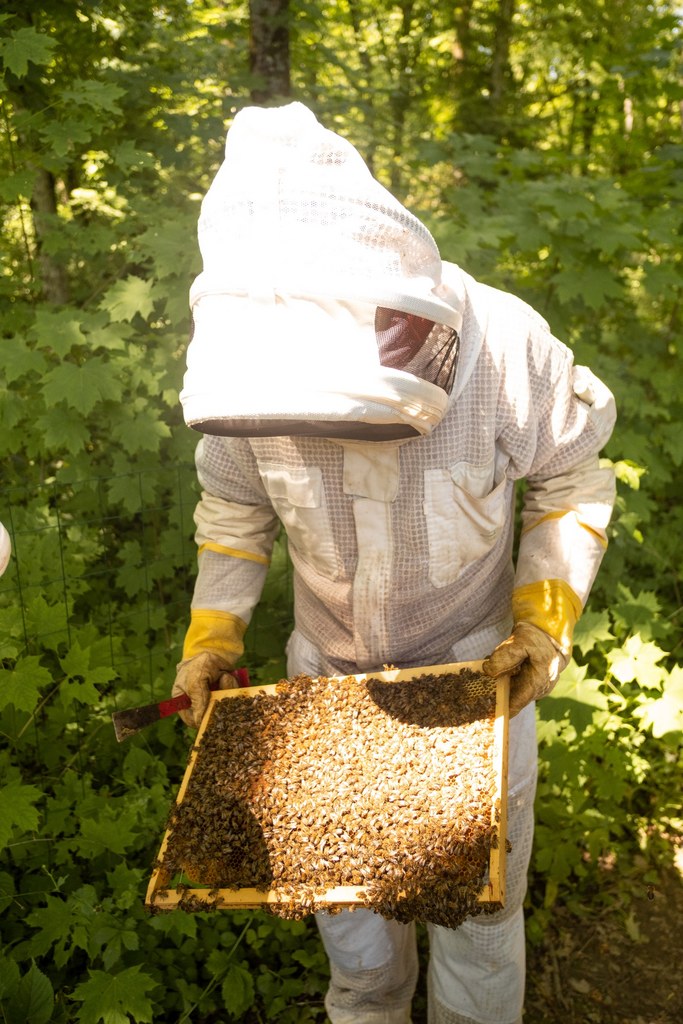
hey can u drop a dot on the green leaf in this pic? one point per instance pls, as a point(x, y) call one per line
point(18, 360)
point(591, 629)
point(143, 431)
point(17, 186)
point(576, 696)
point(64, 924)
point(629, 473)
point(63, 433)
point(116, 998)
point(110, 832)
point(96, 94)
point(62, 136)
point(9, 974)
point(33, 999)
point(81, 661)
point(237, 990)
point(7, 893)
point(166, 244)
point(82, 387)
point(58, 330)
point(23, 47)
point(11, 633)
point(637, 660)
point(17, 809)
point(113, 935)
point(129, 297)
point(594, 284)
point(126, 156)
point(83, 670)
point(665, 714)
point(21, 685)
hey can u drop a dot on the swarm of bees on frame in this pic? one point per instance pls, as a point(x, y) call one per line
point(389, 786)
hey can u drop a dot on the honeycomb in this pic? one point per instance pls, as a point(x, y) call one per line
point(387, 786)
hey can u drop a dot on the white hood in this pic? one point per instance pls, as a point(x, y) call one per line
point(301, 246)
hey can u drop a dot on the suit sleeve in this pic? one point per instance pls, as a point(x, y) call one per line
point(236, 528)
point(569, 498)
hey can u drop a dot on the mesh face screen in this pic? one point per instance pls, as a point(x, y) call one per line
point(418, 346)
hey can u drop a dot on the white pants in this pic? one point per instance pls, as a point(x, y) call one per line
point(476, 972)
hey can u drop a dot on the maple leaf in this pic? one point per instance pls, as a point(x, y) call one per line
point(18, 360)
point(144, 432)
point(110, 831)
point(128, 297)
point(594, 284)
point(82, 387)
point(62, 925)
point(115, 998)
point(166, 244)
point(23, 47)
point(63, 136)
point(63, 433)
point(47, 621)
point(21, 685)
point(592, 628)
point(98, 95)
point(17, 810)
point(665, 714)
point(58, 330)
point(637, 659)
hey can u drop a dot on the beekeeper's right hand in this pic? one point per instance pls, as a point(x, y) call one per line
point(195, 676)
point(212, 647)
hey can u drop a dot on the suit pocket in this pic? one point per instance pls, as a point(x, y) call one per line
point(298, 497)
point(465, 514)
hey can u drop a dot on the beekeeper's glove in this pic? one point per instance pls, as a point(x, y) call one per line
point(540, 645)
point(213, 645)
point(196, 677)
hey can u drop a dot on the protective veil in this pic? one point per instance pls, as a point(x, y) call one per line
point(304, 356)
point(321, 301)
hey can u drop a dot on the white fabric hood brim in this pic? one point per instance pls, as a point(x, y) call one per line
point(283, 360)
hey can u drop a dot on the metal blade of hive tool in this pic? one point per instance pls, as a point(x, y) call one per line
point(132, 720)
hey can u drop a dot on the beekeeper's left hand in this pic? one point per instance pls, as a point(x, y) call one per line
point(532, 659)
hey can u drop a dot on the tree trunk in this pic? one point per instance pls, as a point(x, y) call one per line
point(54, 280)
point(269, 49)
point(500, 66)
point(401, 96)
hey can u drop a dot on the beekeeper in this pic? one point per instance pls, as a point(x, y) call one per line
point(381, 405)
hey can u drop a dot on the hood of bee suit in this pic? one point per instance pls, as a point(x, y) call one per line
point(321, 308)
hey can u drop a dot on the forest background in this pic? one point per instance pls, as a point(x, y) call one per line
point(543, 145)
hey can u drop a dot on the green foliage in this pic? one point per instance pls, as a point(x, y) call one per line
point(512, 141)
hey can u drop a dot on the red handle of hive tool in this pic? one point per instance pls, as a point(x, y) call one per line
point(127, 723)
point(173, 704)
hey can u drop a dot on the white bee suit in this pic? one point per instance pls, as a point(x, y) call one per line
point(401, 545)
point(402, 555)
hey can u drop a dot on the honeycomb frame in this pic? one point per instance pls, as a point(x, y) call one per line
point(166, 892)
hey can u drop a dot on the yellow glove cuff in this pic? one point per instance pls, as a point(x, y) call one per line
point(219, 632)
point(551, 605)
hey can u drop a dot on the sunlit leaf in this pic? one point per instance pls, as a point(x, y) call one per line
point(125, 299)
